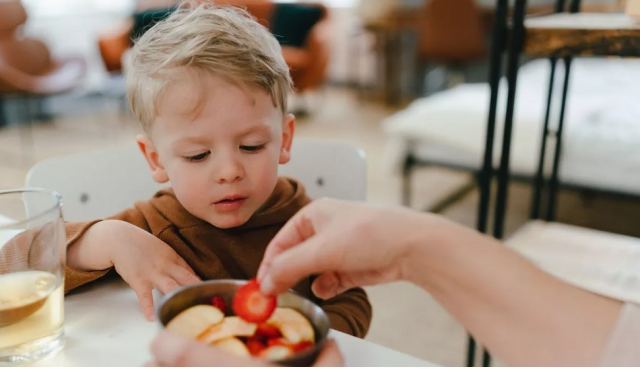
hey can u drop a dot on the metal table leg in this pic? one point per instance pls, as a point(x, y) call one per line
point(538, 180)
point(513, 60)
point(498, 44)
point(553, 181)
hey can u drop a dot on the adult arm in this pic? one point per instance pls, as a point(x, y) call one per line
point(522, 314)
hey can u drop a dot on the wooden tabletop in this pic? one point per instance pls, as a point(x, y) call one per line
point(582, 34)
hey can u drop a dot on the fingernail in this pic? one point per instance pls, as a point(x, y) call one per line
point(266, 285)
point(262, 271)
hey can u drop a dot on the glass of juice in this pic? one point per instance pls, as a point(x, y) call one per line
point(32, 257)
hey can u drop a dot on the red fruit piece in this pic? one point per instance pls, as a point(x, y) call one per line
point(218, 302)
point(278, 342)
point(251, 305)
point(267, 331)
point(255, 346)
point(300, 346)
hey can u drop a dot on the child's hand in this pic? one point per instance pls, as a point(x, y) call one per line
point(143, 260)
point(146, 262)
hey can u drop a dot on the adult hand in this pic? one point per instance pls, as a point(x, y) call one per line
point(171, 350)
point(348, 244)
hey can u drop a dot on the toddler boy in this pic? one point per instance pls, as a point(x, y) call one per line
point(209, 87)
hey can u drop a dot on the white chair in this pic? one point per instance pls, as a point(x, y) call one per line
point(102, 183)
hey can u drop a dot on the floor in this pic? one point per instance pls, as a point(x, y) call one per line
point(405, 317)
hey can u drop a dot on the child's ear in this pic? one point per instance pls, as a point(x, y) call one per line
point(288, 128)
point(151, 155)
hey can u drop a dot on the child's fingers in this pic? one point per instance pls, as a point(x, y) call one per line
point(184, 276)
point(145, 299)
point(165, 284)
point(180, 261)
point(172, 350)
point(330, 355)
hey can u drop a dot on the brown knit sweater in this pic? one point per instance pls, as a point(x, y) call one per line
point(216, 253)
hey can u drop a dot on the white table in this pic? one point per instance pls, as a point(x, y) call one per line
point(104, 327)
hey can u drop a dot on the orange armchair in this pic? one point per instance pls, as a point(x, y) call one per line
point(308, 63)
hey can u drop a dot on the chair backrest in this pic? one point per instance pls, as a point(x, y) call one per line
point(102, 183)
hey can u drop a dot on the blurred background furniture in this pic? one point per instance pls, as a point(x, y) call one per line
point(28, 73)
point(415, 38)
point(599, 153)
point(301, 28)
point(558, 37)
point(451, 35)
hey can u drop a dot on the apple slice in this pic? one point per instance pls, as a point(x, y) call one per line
point(293, 325)
point(231, 326)
point(275, 353)
point(191, 322)
point(232, 345)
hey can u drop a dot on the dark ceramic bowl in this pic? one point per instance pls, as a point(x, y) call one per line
point(181, 299)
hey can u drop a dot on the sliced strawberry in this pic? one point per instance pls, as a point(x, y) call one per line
point(268, 331)
point(218, 302)
point(278, 342)
point(255, 346)
point(301, 346)
point(251, 305)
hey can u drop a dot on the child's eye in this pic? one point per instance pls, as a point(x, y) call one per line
point(249, 148)
point(198, 157)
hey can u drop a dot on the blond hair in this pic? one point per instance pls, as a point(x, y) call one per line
point(225, 41)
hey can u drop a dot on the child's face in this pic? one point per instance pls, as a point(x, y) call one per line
point(219, 145)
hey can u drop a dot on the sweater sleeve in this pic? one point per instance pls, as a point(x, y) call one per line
point(75, 230)
point(349, 312)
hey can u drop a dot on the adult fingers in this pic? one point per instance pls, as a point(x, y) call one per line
point(295, 231)
point(145, 299)
point(288, 268)
point(330, 284)
point(172, 350)
point(326, 285)
point(330, 355)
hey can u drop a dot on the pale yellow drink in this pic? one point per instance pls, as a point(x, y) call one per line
point(31, 308)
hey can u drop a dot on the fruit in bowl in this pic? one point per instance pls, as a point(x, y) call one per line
point(235, 316)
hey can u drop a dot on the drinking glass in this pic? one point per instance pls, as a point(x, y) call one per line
point(32, 256)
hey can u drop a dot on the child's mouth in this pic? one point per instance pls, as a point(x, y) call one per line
point(230, 203)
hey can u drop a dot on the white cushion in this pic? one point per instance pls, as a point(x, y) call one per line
point(602, 262)
point(601, 142)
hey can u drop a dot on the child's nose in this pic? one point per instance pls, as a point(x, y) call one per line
point(229, 171)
